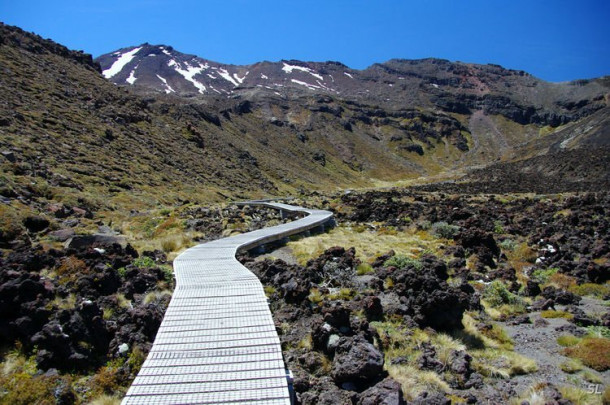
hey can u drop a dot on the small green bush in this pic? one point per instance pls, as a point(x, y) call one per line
point(594, 290)
point(508, 245)
point(424, 225)
point(598, 331)
point(498, 227)
point(143, 262)
point(364, 268)
point(401, 262)
point(571, 366)
point(496, 294)
point(542, 275)
point(444, 230)
point(168, 272)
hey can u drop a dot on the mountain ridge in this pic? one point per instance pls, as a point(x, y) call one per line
point(452, 87)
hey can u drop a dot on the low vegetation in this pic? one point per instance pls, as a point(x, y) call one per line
point(592, 351)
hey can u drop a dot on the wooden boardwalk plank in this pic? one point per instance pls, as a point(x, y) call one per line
point(217, 343)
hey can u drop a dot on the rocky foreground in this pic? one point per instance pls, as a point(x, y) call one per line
point(79, 313)
point(511, 306)
point(508, 301)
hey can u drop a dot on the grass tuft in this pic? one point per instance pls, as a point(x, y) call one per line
point(571, 366)
point(567, 340)
point(552, 314)
point(593, 352)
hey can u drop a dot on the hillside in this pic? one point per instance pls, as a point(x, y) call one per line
point(486, 111)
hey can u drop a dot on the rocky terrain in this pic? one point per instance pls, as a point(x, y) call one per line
point(78, 319)
point(502, 309)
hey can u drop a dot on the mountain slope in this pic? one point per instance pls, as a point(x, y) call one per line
point(68, 134)
point(494, 112)
point(449, 86)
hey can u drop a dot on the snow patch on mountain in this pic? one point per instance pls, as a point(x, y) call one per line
point(309, 86)
point(132, 78)
point(190, 72)
point(168, 88)
point(289, 68)
point(120, 63)
point(240, 79)
point(348, 75)
point(227, 76)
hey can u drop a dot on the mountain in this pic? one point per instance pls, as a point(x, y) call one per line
point(487, 112)
point(429, 83)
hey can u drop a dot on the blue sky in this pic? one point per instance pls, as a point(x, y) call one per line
point(555, 40)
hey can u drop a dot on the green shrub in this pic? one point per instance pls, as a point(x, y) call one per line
point(508, 245)
point(542, 275)
point(594, 290)
point(498, 227)
point(571, 366)
point(496, 294)
point(143, 262)
point(400, 261)
point(424, 225)
point(364, 268)
point(444, 230)
point(598, 331)
point(168, 272)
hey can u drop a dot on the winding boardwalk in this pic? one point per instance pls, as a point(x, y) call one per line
point(217, 343)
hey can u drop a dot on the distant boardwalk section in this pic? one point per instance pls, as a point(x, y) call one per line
point(217, 343)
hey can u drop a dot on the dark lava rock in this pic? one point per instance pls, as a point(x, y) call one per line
point(36, 224)
point(532, 289)
point(62, 235)
point(426, 398)
point(480, 243)
point(543, 304)
point(336, 314)
point(356, 360)
point(372, 308)
point(323, 391)
point(464, 375)
point(295, 290)
point(519, 320)
point(429, 300)
point(386, 392)
point(428, 360)
point(54, 348)
point(560, 297)
point(99, 240)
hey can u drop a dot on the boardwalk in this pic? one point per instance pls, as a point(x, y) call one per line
point(217, 343)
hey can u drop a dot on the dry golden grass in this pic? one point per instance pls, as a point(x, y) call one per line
point(593, 352)
point(535, 395)
point(415, 381)
point(368, 243)
point(580, 396)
